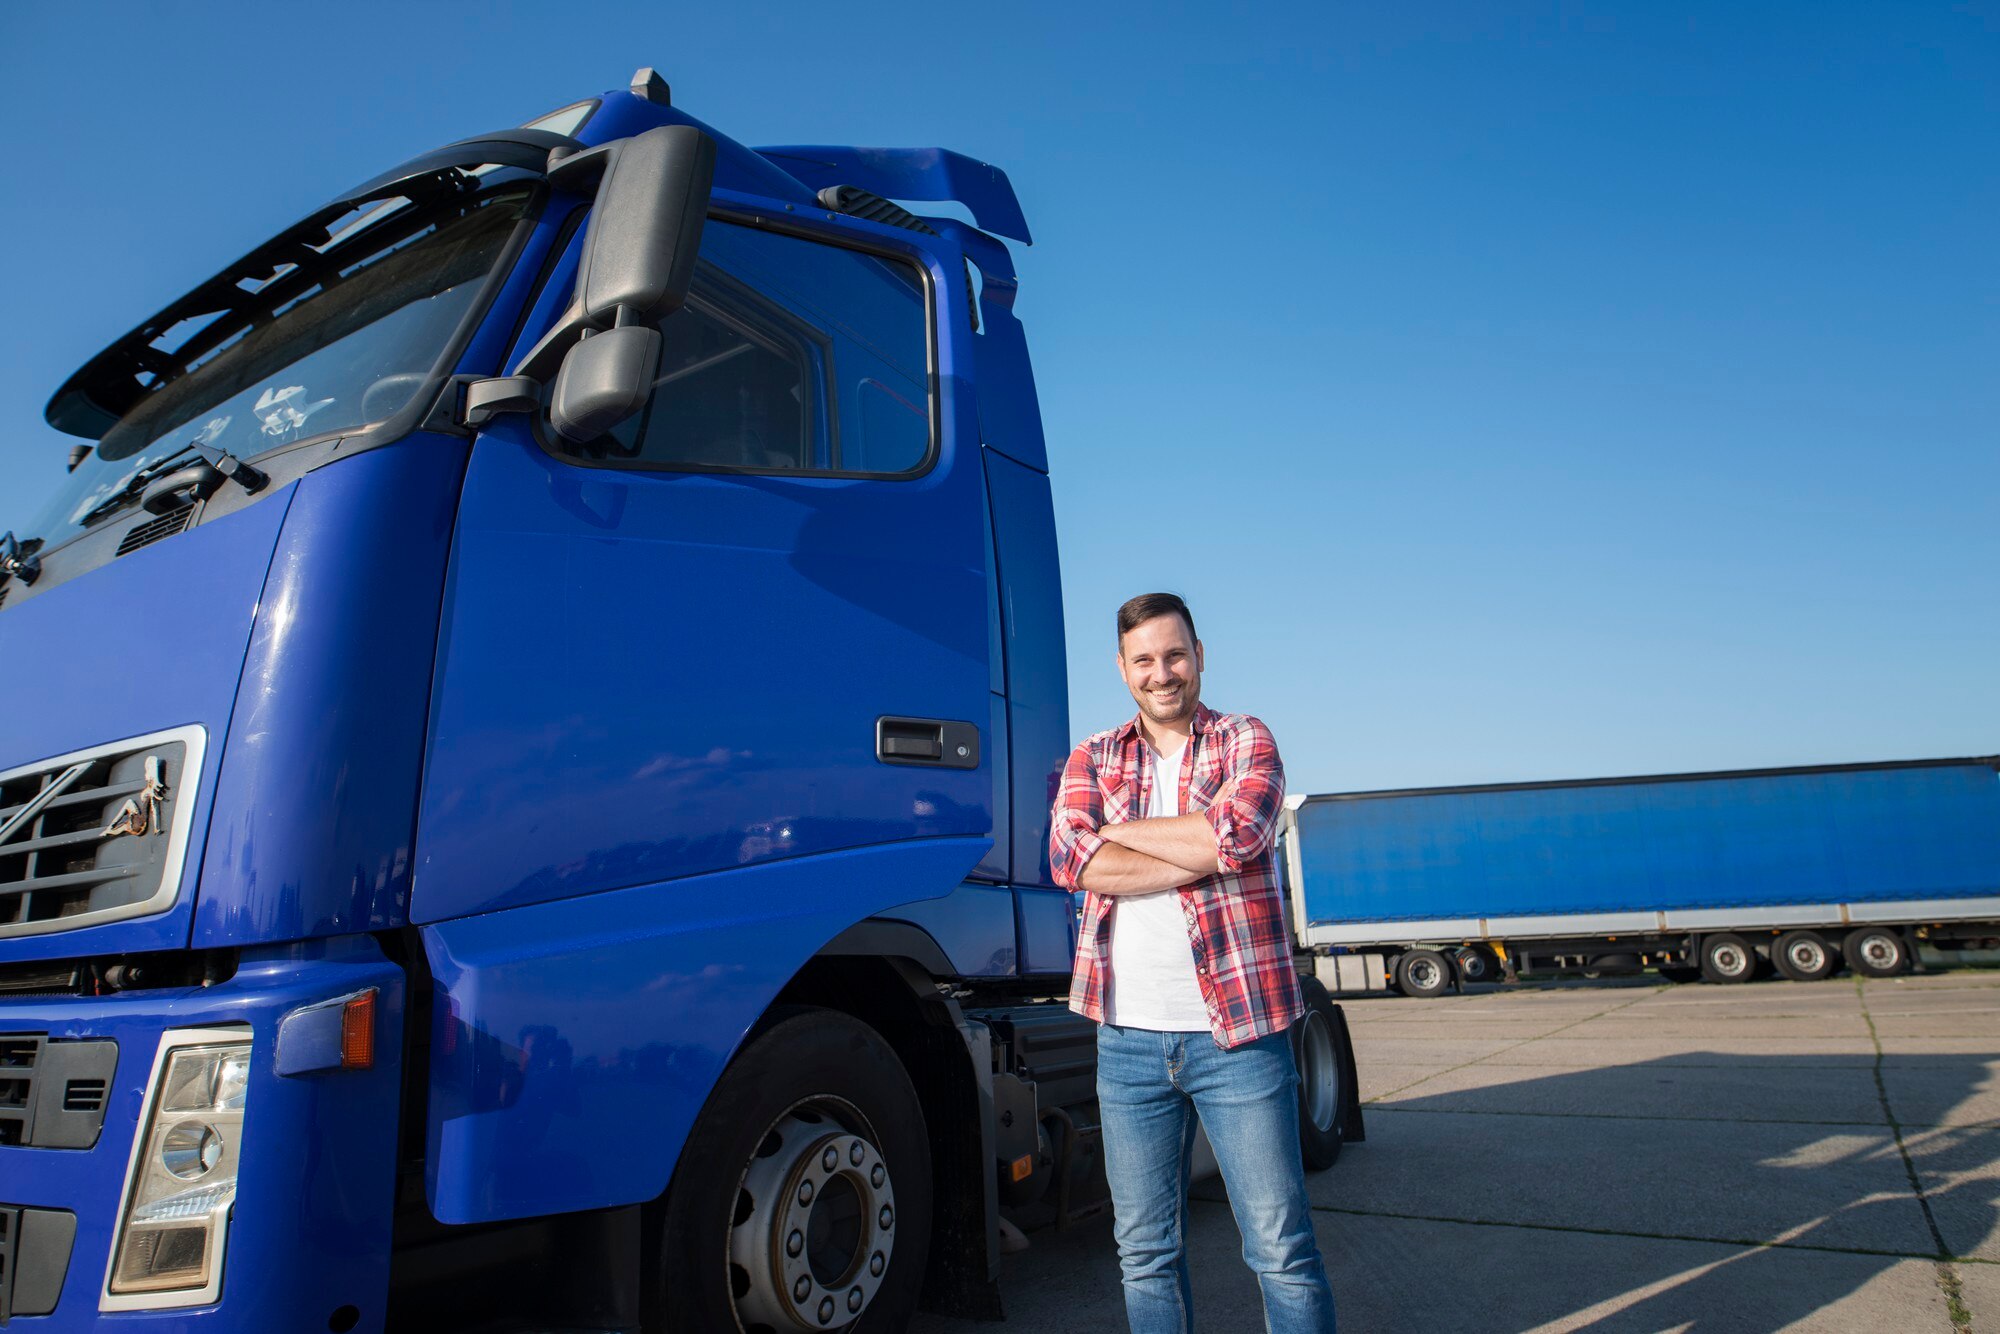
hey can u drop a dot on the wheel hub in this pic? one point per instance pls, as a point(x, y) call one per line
point(1808, 956)
point(815, 1222)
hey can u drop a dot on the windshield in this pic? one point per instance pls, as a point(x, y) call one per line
point(339, 335)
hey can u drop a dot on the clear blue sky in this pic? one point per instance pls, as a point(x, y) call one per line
point(1515, 390)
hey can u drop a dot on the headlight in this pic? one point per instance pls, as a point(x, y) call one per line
point(182, 1179)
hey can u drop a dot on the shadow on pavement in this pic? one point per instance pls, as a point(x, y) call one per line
point(1811, 1211)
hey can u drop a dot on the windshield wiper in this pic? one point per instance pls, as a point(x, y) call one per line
point(129, 490)
point(200, 483)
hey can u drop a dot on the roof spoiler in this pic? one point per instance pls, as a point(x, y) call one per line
point(911, 173)
point(92, 400)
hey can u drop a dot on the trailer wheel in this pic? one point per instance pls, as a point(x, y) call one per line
point(1422, 973)
point(1476, 963)
point(1728, 957)
point(1326, 1095)
point(1877, 951)
point(802, 1197)
point(1803, 956)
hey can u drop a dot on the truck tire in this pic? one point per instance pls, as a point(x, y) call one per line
point(1876, 951)
point(1422, 973)
point(1326, 1095)
point(805, 1182)
point(1728, 957)
point(1804, 956)
point(1476, 963)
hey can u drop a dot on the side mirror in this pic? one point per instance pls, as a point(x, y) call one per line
point(637, 262)
point(605, 378)
point(646, 228)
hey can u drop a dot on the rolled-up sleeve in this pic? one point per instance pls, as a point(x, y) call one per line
point(1074, 821)
point(1246, 821)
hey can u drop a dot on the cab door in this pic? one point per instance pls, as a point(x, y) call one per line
point(749, 624)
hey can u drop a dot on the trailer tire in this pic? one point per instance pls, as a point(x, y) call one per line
point(815, 1087)
point(1422, 973)
point(1326, 1094)
point(1728, 957)
point(1876, 951)
point(1476, 963)
point(1804, 956)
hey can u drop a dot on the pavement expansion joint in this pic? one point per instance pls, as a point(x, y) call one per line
point(1947, 1274)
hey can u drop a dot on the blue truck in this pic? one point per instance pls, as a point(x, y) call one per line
point(525, 765)
point(1721, 876)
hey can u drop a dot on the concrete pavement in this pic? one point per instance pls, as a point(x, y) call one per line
point(1623, 1157)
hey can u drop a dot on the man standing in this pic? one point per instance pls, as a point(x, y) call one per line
point(1185, 963)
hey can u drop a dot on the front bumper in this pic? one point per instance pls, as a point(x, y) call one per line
point(310, 1232)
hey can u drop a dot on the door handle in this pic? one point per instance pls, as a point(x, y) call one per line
point(940, 743)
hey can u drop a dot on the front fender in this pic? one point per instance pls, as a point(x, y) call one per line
point(575, 1041)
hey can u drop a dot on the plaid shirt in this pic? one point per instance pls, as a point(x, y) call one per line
point(1235, 918)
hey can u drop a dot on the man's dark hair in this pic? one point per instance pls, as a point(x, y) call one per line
point(1139, 610)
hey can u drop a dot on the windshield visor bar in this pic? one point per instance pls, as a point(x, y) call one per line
point(115, 381)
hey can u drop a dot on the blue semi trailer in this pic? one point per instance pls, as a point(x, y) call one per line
point(525, 765)
point(1708, 875)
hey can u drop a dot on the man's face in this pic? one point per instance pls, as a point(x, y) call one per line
point(1161, 663)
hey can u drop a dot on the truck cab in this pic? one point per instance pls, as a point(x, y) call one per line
point(529, 759)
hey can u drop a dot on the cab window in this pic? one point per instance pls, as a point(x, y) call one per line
point(789, 356)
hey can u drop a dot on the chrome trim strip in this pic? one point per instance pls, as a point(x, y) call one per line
point(42, 798)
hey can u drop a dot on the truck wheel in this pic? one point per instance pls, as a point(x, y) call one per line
point(1728, 957)
point(1477, 964)
point(1422, 973)
point(803, 1195)
point(1803, 956)
point(1876, 951)
point(1325, 1093)
point(1675, 974)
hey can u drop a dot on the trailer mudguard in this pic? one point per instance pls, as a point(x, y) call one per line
point(574, 1041)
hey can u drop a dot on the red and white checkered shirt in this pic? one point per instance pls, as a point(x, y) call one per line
point(1235, 918)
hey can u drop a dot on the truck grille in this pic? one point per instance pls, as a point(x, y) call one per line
point(98, 834)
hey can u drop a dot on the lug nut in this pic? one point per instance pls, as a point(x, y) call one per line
point(795, 1243)
point(855, 1153)
point(876, 1177)
point(802, 1289)
point(854, 1300)
point(805, 1192)
point(887, 1217)
point(875, 1264)
point(830, 1159)
point(825, 1309)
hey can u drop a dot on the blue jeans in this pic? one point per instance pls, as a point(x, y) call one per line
point(1150, 1088)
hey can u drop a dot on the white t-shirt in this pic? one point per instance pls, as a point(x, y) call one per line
point(1153, 984)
